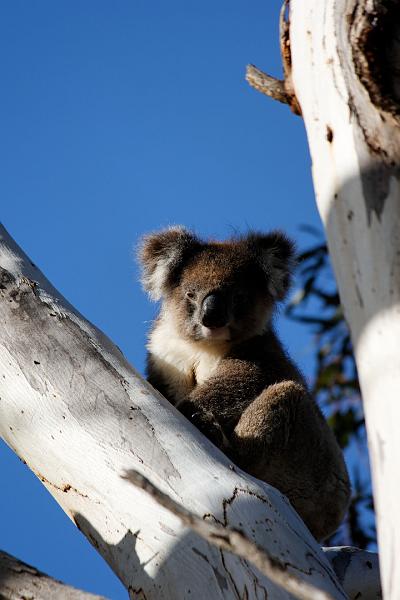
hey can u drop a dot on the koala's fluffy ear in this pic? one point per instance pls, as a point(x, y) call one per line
point(275, 253)
point(161, 255)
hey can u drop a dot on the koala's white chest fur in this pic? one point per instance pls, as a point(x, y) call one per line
point(183, 364)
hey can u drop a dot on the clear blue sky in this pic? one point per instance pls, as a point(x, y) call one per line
point(118, 118)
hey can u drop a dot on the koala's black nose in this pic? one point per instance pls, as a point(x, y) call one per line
point(214, 313)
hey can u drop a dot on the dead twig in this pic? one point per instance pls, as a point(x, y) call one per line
point(260, 81)
point(278, 89)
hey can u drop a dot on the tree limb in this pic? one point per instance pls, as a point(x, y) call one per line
point(235, 541)
point(278, 89)
point(270, 86)
point(357, 571)
point(19, 580)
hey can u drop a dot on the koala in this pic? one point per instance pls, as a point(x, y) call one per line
point(214, 354)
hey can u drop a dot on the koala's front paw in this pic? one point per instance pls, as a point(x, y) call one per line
point(209, 427)
point(205, 422)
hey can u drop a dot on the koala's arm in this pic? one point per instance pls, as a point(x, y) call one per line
point(228, 391)
point(241, 397)
point(242, 376)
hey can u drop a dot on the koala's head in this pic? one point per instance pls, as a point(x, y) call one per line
point(217, 291)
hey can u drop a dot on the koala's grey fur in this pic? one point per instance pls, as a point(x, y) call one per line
point(214, 354)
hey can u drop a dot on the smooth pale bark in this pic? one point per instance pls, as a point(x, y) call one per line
point(345, 57)
point(21, 581)
point(80, 417)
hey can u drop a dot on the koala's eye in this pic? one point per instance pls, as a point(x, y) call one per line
point(190, 295)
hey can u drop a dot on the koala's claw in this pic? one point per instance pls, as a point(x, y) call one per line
point(207, 424)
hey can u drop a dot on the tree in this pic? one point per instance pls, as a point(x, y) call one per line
point(341, 74)
point(96, 418)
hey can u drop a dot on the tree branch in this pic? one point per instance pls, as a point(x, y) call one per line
point(260, 81)
point(357, 571)
point(235, 541)
point(278, 89)
point(19, 580)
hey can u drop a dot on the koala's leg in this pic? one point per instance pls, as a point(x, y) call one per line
point(267, 424)
point(283, 438)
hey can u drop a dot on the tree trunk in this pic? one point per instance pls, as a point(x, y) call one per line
point(345, 76)
point(21, 581)
point(74, 410)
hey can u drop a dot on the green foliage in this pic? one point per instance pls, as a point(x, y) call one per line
point(316, 304)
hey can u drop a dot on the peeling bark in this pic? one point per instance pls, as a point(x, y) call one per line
point(374, 32)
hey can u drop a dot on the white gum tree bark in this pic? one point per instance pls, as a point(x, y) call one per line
point(345, 76)
point(80, 417)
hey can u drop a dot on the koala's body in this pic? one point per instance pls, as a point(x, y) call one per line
point(213, 353)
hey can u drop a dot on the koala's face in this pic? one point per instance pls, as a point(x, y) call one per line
point(216, 292)
point(221, 296)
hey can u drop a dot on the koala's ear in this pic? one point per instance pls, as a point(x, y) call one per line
point(161, 255)
point(275, 253)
